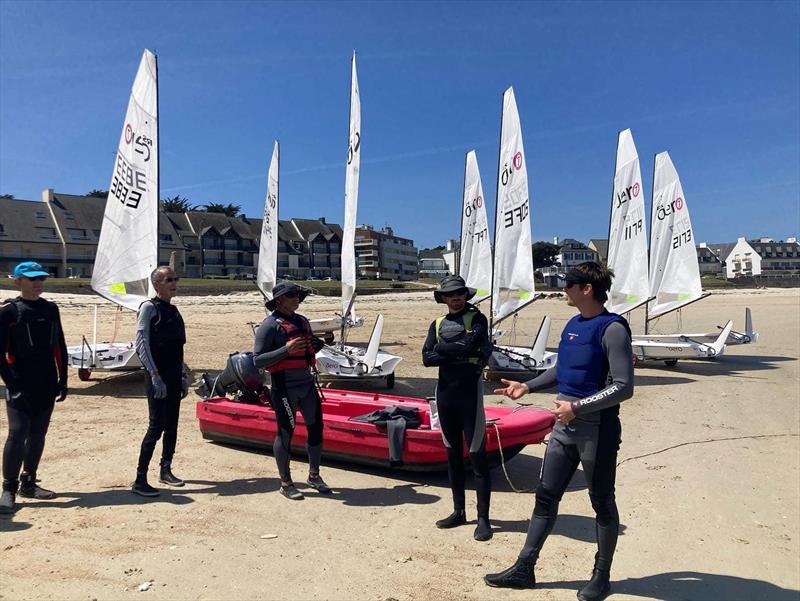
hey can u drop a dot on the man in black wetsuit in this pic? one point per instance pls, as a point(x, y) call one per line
point(33, 365)
point(458, 344)
point(160, 336)
point(594, 374)
point(286, 348)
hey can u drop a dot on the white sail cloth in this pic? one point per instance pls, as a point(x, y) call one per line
point(674, 270)
point(513, 261)
point(268, 245)
point(475, 264)
point(351, 195)
point(127, 251)
point(627, 239)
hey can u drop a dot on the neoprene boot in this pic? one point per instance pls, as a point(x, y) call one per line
point(483, 531)
point(30, 490)
point(520, 575)
point(598, 587)
point(141, 487)
point(457, 518)
point(167, 477)
point(7, 503)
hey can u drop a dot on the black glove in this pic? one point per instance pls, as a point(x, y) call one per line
point(14, 393)
point(62, 393)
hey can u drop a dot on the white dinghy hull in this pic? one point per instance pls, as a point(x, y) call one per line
point(349, 362)
point(670, 348)
point(108, 356)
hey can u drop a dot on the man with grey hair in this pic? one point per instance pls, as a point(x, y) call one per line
point(160, 336)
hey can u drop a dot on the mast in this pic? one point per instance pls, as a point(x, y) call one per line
point(158, 166)
point(461, 216)
point(496, 203)
point(650, 242)
point(611, 205)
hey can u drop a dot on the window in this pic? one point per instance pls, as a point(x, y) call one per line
point(165, 237)
point(77, 233)
point(2, 230)
point(96, 233)
point(69, 216)
point(39, 214)
point(46, 233)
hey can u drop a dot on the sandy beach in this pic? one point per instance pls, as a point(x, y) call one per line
point(708, 484)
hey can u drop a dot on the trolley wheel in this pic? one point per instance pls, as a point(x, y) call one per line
point(671, 362)
point(328, 338)
point(390, 381)
point(84, 374)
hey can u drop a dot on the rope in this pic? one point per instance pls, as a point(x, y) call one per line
point(503, 462)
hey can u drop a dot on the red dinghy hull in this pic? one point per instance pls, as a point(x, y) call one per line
point(223, 420)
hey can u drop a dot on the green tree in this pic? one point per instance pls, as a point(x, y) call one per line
point(6, 196)
point(98, 193)
point(544, 254)
point(176, 204)
point(231, 210)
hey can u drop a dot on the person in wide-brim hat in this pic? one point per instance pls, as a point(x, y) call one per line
point(452, 283)
point(282, 288)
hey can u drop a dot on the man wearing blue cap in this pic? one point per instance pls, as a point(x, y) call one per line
point(33, 365)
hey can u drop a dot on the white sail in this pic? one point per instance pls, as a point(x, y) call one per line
point(351, 194)
point(475, 265)
point(268, 246)
point(674, 270)
point(627, 241)
point(127, 251)
point(513, 260)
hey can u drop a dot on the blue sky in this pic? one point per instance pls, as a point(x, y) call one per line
point(716, 84)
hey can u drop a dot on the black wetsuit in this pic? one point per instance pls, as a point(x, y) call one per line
point(292, 389)
point(460, 357)
point(160, 337)
point(591, 439)
point(33, 365)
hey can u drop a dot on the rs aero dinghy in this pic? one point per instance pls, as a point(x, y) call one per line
point(247, 420)
point(340, 360)
point(130, 222)
point(266, 276)
point(671, 281)
point(512, 287)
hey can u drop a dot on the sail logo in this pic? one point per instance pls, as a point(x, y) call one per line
point(142, 144)
point(571, 336)
point(470, 207)
point(627, 194)
point(354, 147)
point(663, 211)
point(508, 171)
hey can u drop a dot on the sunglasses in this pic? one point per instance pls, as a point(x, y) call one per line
point(170, 280)
point(38, 278)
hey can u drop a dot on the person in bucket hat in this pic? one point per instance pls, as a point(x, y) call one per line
point(453, 283)
point(286, 348)
point(458, 344)
point(282, 288)
point(33, 365)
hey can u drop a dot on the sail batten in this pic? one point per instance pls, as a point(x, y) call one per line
point(351, 195)
point(627, 239)
point(475, 264)
point(513, 284)
point(127, 251)
point(268, 244)
point(674, 270)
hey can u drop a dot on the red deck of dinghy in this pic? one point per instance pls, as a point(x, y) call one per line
point(224, 420)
